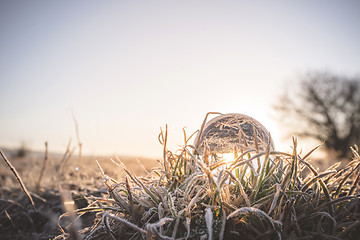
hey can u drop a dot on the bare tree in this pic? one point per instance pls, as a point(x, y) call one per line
point(326, 107)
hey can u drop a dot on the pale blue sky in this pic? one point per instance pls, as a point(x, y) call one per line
point(126, 68)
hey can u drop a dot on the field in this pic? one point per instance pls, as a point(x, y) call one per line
point(18, 220)
point(260, 194)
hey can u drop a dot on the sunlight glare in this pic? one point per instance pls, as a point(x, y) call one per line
point(228, 157)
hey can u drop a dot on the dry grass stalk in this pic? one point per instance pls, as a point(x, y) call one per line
point(18, 178)
point(79, 143)
point(43, 167)
point(67, 155)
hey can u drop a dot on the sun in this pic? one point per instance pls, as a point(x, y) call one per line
point(228, 157)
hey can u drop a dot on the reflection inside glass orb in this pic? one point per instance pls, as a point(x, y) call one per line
point(227, 132)
point(228, 157)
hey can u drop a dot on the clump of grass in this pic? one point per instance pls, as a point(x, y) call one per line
point(194, 196)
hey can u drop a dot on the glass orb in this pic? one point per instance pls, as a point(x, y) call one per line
point(227, 131)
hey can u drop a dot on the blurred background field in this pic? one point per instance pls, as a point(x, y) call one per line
point(88, 175)
point(19, 221)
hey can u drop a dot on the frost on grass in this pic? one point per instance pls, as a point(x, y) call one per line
point(195, 195)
